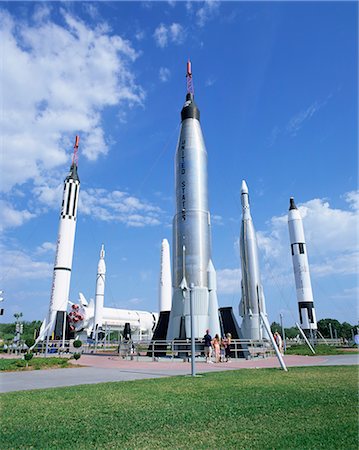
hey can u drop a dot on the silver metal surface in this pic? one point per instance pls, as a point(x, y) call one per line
point(192, 238)
point(252, 302)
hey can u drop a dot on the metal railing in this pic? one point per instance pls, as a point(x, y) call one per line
point(181, 349)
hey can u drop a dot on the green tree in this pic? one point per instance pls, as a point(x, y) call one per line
point(291, 332)
point(275, 326)
point(323, 327)
point(346, 330)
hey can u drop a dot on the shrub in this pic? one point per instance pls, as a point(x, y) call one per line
point(30, 342)
point(28, 356)
point(77, 356)
point(77, 344)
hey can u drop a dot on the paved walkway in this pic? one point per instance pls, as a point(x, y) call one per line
point(100, 369)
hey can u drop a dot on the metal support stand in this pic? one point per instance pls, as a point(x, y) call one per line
point(276, 349)
point(305, 338)
point(320, 334)
point(64, 331)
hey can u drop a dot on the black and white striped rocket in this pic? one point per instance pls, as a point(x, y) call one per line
point(64, 252)
point(252, 302)
point(308, 321)
point(192, 261)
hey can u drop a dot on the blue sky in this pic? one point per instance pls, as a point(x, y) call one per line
point(276, 84)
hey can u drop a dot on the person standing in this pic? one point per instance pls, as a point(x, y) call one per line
point(279, 341)
point(228, 347)
point(207, 338)
point(216, 347)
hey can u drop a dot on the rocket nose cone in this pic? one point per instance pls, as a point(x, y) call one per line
point(292, 205)
point(244, 188)
point(165, 243)
point(210, 267)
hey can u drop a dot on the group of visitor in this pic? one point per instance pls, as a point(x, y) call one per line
point(219, 347)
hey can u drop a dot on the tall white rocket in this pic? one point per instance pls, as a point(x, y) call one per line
point(308, 321)
point(64, 252)
point(252, 302)
point(100, 290)
point(165, 287)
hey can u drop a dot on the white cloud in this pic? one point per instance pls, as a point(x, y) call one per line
point(91, 9)
point(10, 217)
point(140, 35)
point(118, 206)
point(210, 81)
point(229, 281)
point(189, 6)
point(164, 74)
point(174, 33)
point(177, 33)
point(161, 35)
point(46, 247)
point(353, 199)
point(207, 12)
point(57, 79)
point(296, 122)
point(22, 266)
point(217, 219)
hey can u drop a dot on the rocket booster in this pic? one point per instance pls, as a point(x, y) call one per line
point(165, 288)
point(192, 265)
point(64, 252)
point(303, 284)
point(252, 302)
point(100, 290)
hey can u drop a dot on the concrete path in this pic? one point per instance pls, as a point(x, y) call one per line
point(100, 369)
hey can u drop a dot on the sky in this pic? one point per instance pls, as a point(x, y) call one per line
point(277, 87)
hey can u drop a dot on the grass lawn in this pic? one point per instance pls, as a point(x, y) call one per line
point(34, 364)
point(304, 408)
point(321, 349)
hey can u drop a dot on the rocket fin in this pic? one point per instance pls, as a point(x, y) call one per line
point(212, 278)
point(82, 299)
point(184, 285)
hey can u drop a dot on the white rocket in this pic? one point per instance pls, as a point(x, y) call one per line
point(252, 302)
point(308, 321)
point(100, 290)
point(56, 321)
point(81, 318)
point(165, 287)
point(164, 294)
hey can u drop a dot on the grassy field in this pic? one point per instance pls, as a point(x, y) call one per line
point(34, 364)
point(304, 408)
point(319, 350)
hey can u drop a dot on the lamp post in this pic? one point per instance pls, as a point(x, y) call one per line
point(283, 332)
point(19, 328)
point(193, 349)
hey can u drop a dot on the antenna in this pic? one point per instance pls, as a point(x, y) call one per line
point(190, 89)
point(75, 157)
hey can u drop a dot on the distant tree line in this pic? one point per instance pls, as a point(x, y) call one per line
point(343, 330)
point(7, 330)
